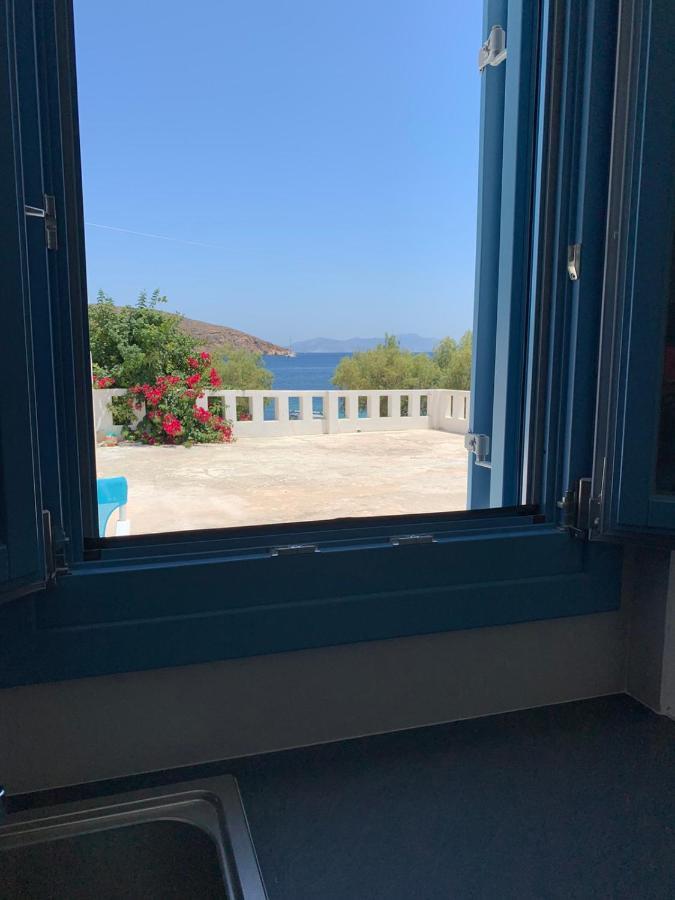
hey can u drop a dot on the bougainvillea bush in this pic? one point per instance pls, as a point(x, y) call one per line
point(172, 415)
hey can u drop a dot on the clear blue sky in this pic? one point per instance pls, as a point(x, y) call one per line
point(325, 151)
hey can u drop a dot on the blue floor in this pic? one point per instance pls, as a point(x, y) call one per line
point(572, 801)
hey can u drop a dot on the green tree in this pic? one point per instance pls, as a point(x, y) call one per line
point(241, 369)
point(136, 344)
point(386, 366)
point(453, 359)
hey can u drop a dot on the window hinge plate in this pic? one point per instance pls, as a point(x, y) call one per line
point(579, 509)
point(55, 542)
point(48, 213)
point(479, 445)
point(493, 51)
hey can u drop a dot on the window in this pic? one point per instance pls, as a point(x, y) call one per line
point(144, 601)
point(348, 175)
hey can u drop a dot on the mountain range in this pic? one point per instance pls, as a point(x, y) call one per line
point(413, 342)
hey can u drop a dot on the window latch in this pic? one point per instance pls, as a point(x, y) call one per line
point(48, 213)
point(493, 50)
point(405, 540)
point(293, 549)
point(479, 445)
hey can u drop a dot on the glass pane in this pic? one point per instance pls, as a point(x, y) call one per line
point(665, 463)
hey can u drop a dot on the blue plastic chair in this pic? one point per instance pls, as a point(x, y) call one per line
point(112, 494)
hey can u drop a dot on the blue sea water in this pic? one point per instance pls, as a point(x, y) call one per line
point(303, 372)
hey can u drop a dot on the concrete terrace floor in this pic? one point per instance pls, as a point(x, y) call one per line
point(257, 481)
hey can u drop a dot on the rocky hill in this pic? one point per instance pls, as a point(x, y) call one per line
point(209, 336)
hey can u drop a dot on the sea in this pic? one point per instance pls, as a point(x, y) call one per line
point(304, 371)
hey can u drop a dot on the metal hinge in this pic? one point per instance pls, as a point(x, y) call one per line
point(55, 542)
point(479, 445)
point(48, 213)
point(580, 510)
point(574, 261)
point(493, 50)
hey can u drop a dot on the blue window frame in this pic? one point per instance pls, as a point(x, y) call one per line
point(22, 553)
point(184, 598)
point(628, 499)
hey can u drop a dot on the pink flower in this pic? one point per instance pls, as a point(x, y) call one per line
point(215, 379)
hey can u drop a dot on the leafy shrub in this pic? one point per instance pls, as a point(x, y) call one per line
point(122, 409)
point(136, 344)
point(241, 369)
point(388, 366)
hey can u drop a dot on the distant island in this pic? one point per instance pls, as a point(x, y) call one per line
point(413, 342)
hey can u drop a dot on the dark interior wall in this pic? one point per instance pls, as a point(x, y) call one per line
point(94, 728)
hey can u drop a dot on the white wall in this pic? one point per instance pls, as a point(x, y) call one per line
point(96, 728)
point(446, 411)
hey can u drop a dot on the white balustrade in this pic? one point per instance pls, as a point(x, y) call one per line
point(281, 413)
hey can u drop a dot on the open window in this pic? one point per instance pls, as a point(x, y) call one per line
point(141, 601)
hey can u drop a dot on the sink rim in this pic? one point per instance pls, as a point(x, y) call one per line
point(211, 804)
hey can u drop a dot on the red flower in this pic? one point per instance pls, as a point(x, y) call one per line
point(105, 381)
point(172, 379)
point(201, 414)
point(153, 394)
point(192, 380)
point(215, 379)
point(205, 356)
point(171, 425)
point(193, 363)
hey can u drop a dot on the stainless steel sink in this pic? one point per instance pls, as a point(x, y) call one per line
point(185, 841)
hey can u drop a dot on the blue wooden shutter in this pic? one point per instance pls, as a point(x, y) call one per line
point(502, 260)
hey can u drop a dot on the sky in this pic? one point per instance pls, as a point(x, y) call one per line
point(293, 168)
